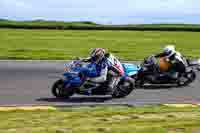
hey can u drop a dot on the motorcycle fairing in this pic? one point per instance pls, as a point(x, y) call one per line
point(130, 69)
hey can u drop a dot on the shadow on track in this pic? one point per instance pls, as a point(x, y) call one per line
point(154, 87)
point(76, 99)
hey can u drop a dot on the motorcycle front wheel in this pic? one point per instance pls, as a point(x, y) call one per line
point(59, 91)
point(187, 78)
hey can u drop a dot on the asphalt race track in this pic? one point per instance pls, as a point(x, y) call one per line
point(29, 83)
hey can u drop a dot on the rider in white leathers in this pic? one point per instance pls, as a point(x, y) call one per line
point(105, 63)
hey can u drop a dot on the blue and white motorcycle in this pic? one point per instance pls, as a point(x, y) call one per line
point(74, 77)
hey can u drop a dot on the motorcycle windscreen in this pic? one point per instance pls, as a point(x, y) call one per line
point(130, 69)
point(163, 64)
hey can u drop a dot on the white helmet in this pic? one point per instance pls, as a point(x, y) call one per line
point(169, 50)
point(97, 54)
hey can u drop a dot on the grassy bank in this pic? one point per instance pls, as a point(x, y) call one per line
point(41, 24)
point(59, 44)
point(116, 119)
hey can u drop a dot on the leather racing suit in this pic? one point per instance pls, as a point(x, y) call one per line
point(177, 64)
point(108, 69)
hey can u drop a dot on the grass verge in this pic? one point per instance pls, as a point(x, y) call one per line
point(61, 45)
point(116, 119)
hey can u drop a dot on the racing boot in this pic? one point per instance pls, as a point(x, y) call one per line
point(112, 84)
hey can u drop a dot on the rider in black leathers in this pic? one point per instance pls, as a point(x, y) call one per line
point(175, 59)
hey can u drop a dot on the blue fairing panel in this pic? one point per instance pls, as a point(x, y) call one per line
point(91, 71)
point(76, 81)
point(72, 79)
point(130, 69)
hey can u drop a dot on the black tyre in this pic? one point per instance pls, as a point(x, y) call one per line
point(139, 83)
point(188, 78)
point(198, 68)
point(191, 76)
point(58, 90)
point(124, 88)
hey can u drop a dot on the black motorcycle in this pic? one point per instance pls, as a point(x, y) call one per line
point(150, 73)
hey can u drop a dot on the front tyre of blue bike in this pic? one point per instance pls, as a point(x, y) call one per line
point(58, 90)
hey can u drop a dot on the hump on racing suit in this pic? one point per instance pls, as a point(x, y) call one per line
point(114, 64)
point(97, 72)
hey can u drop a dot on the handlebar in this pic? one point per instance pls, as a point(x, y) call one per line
point(74, 65)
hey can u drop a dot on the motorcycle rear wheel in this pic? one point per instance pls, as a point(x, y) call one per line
point(124, 88)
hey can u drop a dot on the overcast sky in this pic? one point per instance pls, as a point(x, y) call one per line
point(103, 11)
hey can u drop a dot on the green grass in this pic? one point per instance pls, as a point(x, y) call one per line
point(67, 44)
point(116, 119)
